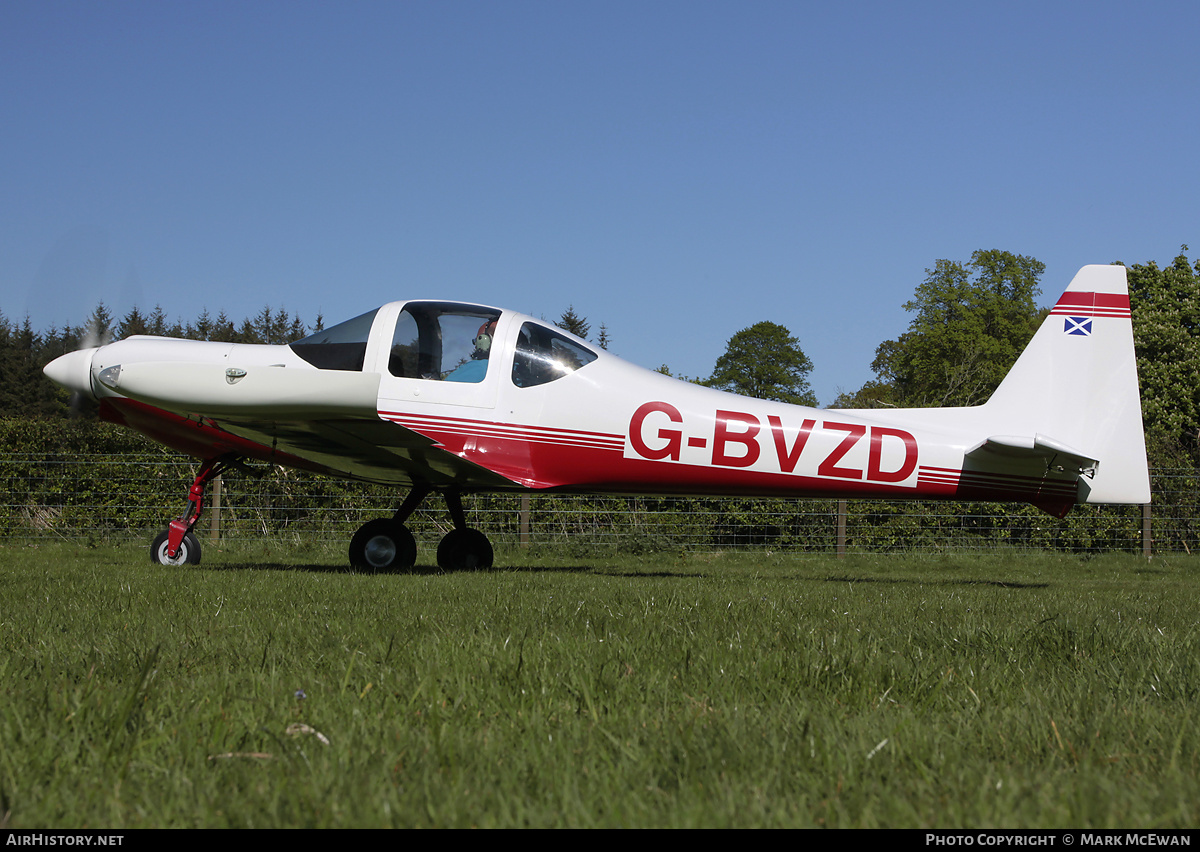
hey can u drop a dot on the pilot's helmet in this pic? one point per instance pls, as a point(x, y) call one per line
point(483, 338)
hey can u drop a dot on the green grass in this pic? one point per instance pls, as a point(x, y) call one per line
point(1015, 690)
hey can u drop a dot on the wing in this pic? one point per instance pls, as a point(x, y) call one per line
point(320, 420)
point(368, 450)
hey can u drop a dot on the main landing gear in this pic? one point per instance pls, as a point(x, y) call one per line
point(386, 543)
point(177, 545)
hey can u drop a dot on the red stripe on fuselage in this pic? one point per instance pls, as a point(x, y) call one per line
point(428, 425)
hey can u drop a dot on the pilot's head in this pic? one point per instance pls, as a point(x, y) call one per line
point(483, 339)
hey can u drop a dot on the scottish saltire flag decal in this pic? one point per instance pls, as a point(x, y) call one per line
point(1078, 325)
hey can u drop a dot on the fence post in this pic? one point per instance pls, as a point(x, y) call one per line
point(1147, 538)
point(524, 520)
point(214, 508)
point(841, 529)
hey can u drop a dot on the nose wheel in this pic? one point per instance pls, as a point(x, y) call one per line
point(187, 553)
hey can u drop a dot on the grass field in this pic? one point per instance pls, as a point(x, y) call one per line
point(274, 688)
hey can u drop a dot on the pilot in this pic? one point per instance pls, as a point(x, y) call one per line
point(475, 369)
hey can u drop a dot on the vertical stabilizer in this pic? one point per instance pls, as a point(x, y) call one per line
point(1076, 386)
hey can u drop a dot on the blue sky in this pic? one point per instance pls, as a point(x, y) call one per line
point(674, 170)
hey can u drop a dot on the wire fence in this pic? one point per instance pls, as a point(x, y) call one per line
point(95, 497)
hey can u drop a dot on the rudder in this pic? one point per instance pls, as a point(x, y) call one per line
point(1076, 384)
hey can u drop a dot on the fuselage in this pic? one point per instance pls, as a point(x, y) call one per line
point(376, 399)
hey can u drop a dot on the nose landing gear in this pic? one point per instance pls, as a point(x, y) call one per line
point(176, 545)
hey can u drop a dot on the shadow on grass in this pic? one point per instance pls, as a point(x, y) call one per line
point(415, 571)
point(434, 570)
point(1003, 584)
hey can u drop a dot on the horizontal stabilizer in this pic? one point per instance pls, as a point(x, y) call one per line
point(1057, 455)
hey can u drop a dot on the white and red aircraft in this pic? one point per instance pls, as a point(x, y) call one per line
point(461, 398)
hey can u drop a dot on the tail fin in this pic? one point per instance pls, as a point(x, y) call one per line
point(1075, 387)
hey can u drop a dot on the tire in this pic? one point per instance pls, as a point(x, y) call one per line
point(465, 550)
point(382, 545)
point(189, 550)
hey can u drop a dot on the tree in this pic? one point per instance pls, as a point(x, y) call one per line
point(99, 328)
point(161, 324)
point(764, 361)
point(18, 345)
point(873, 394)
point(572, 322)
point(223, 330)
point(133, 323)
point(204, 326)
point(1165, 304)
point(971, 322)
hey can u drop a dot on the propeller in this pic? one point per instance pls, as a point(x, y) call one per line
point(73, 371)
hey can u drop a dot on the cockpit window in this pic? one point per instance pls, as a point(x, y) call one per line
point(442, 340)
point(544, 355)
point(339, 347)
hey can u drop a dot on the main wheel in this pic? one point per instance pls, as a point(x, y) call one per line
point(381, 545)
point(189, 550)
point(464, 550)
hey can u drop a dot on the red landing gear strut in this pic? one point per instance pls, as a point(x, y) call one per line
point(176, 545)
